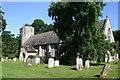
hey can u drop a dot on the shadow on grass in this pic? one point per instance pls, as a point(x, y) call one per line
point(46, 67)
point(73, 69)
point(116, 63)
point(95, 64)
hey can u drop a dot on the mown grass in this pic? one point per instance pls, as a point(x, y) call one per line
point(18, 69)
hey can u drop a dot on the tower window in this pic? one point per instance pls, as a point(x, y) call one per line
point(108, 30)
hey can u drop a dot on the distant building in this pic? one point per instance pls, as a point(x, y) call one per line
point(47, 44)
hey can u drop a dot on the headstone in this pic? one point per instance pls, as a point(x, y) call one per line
point(56, 63)
point(2, 59)
point(50, 62)
point(6, 58)
point(79, 63)
point(106, 59)
point(14, 59)
point(87, 64)
point(29, 62)
point(10, 59)
point(37, 60)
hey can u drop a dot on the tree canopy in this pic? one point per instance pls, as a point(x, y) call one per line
point(40, 26)
point(117, 35)
point(76, 24)
point(10, 45)
point(2, 27)
point(117, 40)
point(2, 21)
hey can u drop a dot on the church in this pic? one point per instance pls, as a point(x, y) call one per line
point(47, 44)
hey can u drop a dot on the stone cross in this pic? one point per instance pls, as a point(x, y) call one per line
point(50, 62)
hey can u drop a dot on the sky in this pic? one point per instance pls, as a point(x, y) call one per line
point(19, 13)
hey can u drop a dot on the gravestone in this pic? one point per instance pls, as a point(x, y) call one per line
point(79, 63)
point(2, 59)
point(37, 60)
point(6, 58)
point(87, 64)
point(50, 62)
point(29, 62)
point(56, 63)
point(14, 59)
point(10, 59)
point(106, 59)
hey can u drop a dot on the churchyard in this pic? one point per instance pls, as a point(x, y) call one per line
point(19, 69)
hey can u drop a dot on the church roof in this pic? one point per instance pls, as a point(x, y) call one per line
point(50, 37)
point(101, 23)
point(29, 49)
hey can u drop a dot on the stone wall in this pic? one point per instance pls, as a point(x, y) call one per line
point(27, 31)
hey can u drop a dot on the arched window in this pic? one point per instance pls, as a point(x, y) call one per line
point(108, 30)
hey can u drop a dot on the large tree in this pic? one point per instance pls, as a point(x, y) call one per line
point(76, 24)
point(2, 21)
point(40, 26)
point(10, 45)
point(117, 40)
point(117, 35)
point(2, 27)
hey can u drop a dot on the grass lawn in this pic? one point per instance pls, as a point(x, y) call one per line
point(18, 69)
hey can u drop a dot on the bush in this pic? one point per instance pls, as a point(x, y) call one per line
point(42, 59)
point(31, 56)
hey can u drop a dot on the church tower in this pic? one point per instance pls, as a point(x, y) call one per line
point(27, 31)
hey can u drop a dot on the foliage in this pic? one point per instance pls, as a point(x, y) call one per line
point(117, 35)
point(2, 21)
point(40, 26)
point(42, 59)
point(26, 24)
point(117, 40)
point(10, 45)
point(48, 27)
point(76, 25)
point(31, 56)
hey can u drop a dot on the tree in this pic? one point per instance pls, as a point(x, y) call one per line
point(2, 27)
point(76, 25)
point(2, 22)
point(38, 24)
point(117, 40)
point(48, 27)
point(10, 45)
point(27, 25)
point(117, 36)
